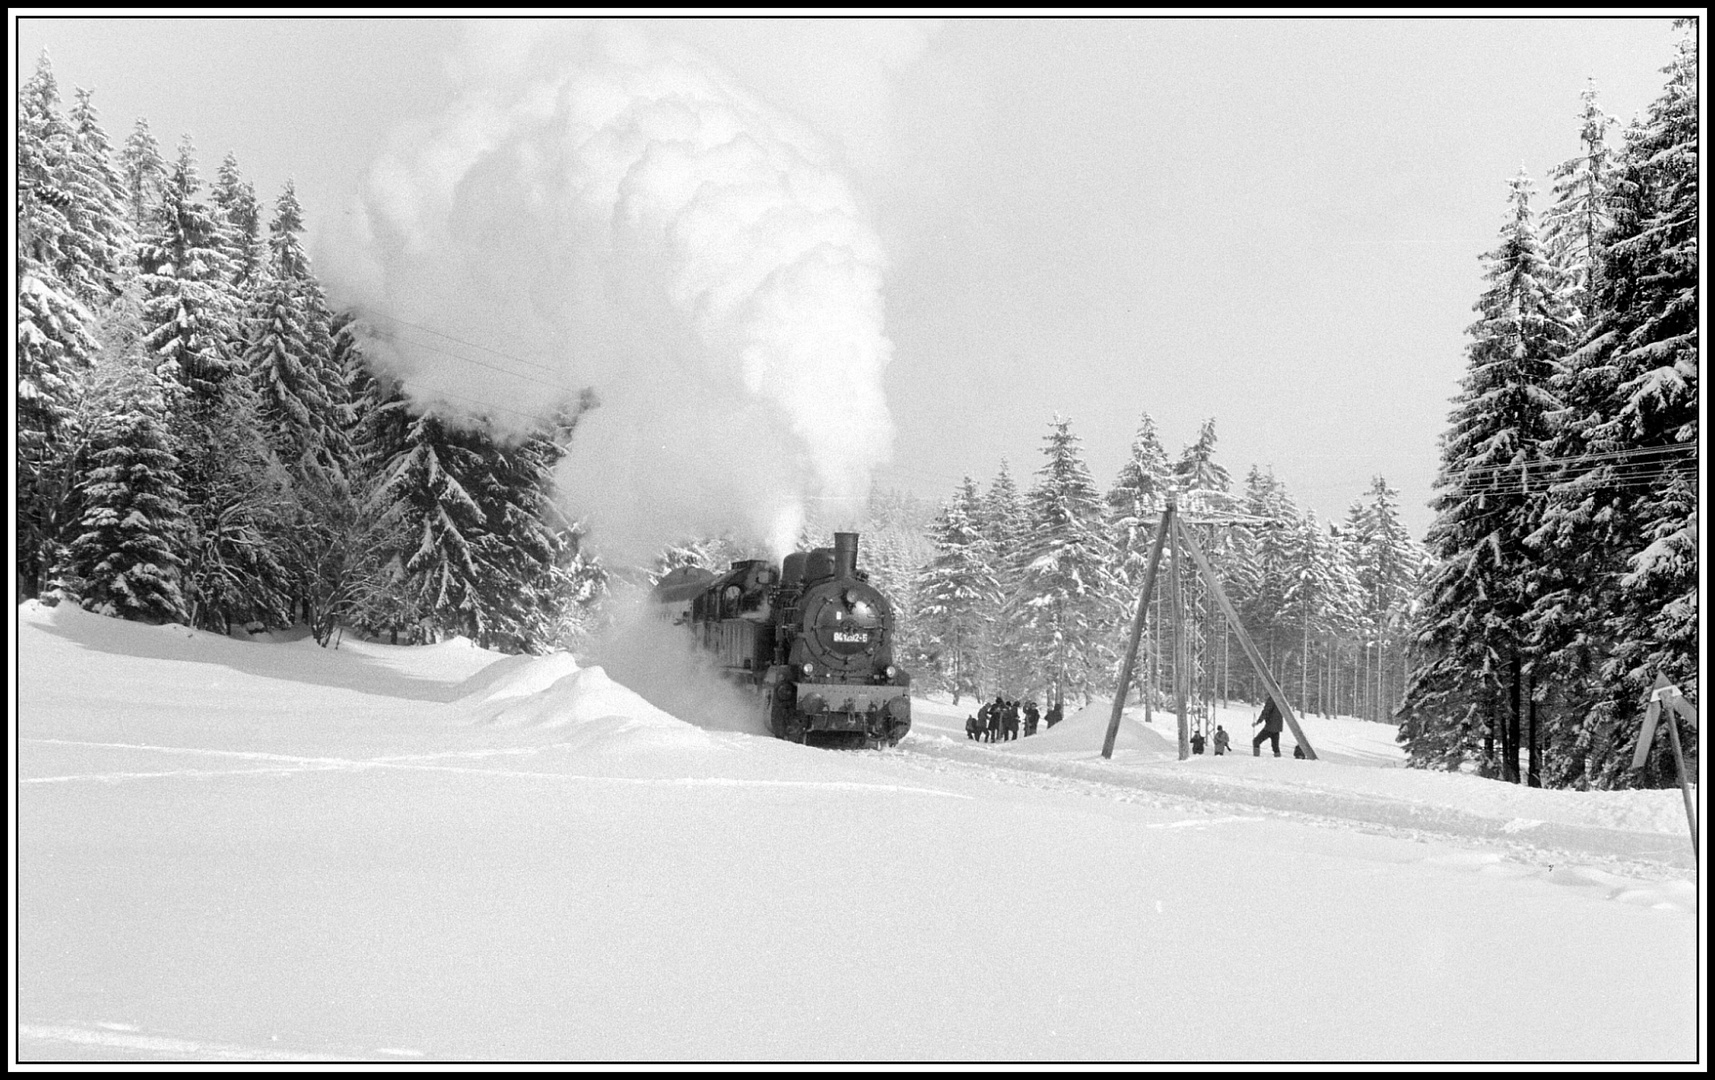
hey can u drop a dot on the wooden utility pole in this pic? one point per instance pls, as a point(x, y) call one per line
point(1180, 646)
point(1137, 622)
point(1172, 530)
point(1245, 641)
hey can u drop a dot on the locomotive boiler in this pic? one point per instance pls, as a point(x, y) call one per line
point(812, 637)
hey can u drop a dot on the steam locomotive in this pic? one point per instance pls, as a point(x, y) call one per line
point(813, 637)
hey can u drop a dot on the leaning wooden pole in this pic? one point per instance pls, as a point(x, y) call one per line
point(1665, 697)
point(1183, 535)
point(1137, 622)
point(1679, 760)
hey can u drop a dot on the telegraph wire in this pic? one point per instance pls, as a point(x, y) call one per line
point(1620, 457)
point(431, 394)
point(461, 341)
point(490, 367)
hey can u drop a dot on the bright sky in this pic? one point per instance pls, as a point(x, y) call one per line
point(1273, 222)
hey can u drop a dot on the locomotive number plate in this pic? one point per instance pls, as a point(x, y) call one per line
point(849, 637)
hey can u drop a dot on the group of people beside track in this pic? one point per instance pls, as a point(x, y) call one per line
point(999, 720)
point(1269, 732)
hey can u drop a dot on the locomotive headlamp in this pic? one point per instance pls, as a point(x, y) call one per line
point(809, 669)
point(851, 597)
point(890, 671)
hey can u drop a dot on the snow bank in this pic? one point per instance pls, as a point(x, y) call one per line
point(584, 708)
point(517, 676)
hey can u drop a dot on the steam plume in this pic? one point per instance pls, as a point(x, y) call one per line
point(618, 213)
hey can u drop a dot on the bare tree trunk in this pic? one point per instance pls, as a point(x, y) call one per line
point(1304, 665)
point(1382, 711)
point(1330, 689)
point(1534, 776)
point(1510, 744)
point(1489, 739)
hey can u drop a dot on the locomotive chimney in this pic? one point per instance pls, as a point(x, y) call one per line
point(845, 554)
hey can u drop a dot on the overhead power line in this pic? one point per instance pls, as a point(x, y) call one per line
point(491, 367)
point(458, 340)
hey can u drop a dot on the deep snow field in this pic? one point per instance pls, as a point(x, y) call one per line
point(268, 851)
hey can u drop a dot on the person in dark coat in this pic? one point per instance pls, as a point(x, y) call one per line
point(1055, 712)
point(1012, 720)
point(1032, 717)
point(1197, 742)
point(1222, 741)
point(1270, 721)
point(997, 718)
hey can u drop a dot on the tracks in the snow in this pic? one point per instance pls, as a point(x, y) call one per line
point(1636, 854)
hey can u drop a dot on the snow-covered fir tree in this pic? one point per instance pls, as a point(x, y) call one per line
point(515, 548)
point(381, 419)
point(291, 379)
point(440, 518)
point(1063, 607)
point(126, 557)
point(239, 500)
point(279, 362)
point(289, 262)
point(189, 310)
point(1259, 570)
point(1007, 527)
point(235, 197)
point(1619, 601)
point(1320, 602)
point(55, 347)
point(958, 596)
point(69, 212)
point(1473, 685)
point(1204, 484)
point(1389, 566)
point(1135, 502)
point(98, 212)
point(144, 173)
point(1572, 228)
point(56, 326)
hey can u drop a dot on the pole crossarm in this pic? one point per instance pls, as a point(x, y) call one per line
point(1274, 691)
point(1136, 631)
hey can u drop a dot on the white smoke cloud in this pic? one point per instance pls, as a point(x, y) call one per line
point(659, 661)
point(600, 208)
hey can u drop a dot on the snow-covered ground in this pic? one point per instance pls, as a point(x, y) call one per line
point(264, 850)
